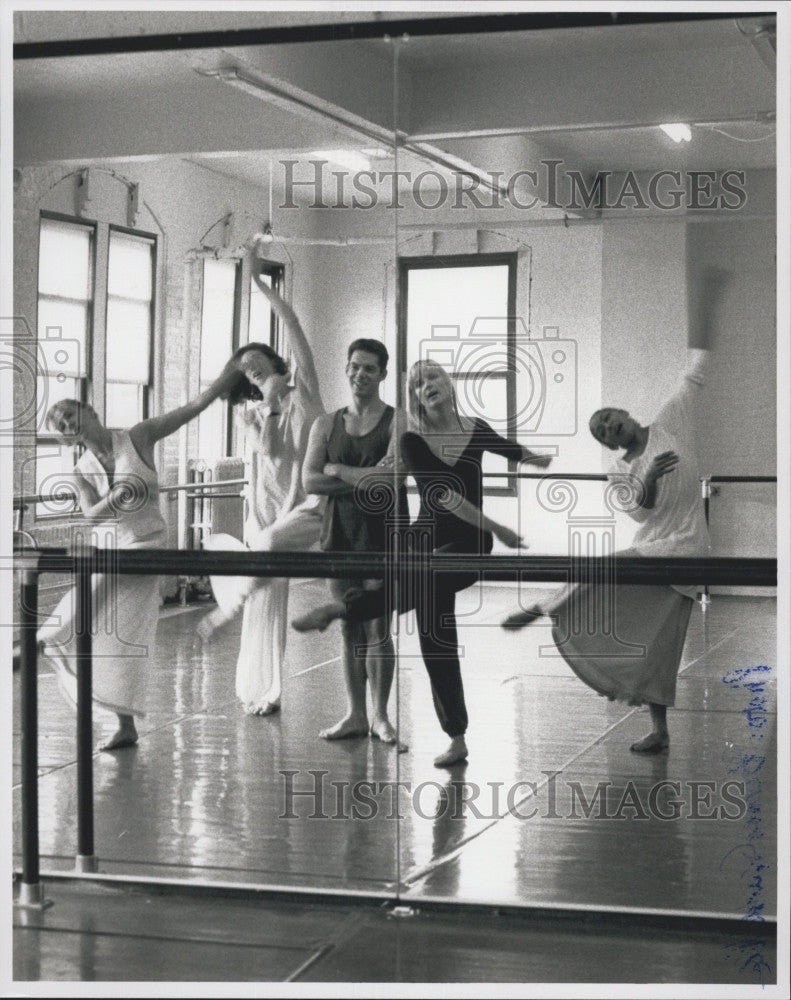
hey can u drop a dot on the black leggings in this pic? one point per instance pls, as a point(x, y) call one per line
point(433, 598)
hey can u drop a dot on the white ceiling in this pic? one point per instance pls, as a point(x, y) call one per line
point(498, 101)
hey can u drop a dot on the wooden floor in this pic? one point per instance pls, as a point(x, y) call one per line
point(552, 816)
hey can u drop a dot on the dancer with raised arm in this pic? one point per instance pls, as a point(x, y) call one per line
point(344, 449)
point(443, 453)
point(277, 416)
point(118, 490)
point(660, 460)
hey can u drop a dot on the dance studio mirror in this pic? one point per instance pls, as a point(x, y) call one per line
point(511, 209)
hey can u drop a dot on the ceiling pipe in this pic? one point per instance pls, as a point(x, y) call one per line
point(758, 118)
point(291, 99)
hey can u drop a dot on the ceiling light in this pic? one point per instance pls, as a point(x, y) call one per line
point(678, 131)
point(343, 157)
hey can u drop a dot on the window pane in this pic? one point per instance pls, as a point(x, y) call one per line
point(219, 288)
point(123, 405)
point(64, 259)
point(211, 433)
point(130, 270)
point(484, 396)
point(62, 336)
point(128, 340)
point(260, 312)
point(54, 465)
point(457, 316)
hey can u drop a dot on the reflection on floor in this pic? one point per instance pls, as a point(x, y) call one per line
point(552, 809)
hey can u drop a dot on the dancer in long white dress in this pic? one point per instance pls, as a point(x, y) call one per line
point(118, 490)
point(661, 460)
point(281, 517)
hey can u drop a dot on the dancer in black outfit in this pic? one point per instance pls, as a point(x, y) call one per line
point(444, 456)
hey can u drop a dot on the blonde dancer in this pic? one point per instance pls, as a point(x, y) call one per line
point(116, 482)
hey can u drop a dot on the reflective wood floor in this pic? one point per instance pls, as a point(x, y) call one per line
point(551, 811)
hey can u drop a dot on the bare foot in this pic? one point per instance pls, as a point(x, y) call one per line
point(263, 707)
point(346, 729)
point(382, 730)
point(653, 743)
point(319, 618)
point(519, 619)
point(457, 751)
point(125, 736)
point(209, 624)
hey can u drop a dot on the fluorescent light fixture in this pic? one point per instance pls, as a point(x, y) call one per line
point(678, 131)
point(343, 157)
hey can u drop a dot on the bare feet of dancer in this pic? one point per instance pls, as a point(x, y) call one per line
point(382, 730)
point(351, 726)
point(519, 619)
point(263, 707)
point(319, 618)
point(651, 744)
point(125, 736)
point(456, 752)
point(658, 740)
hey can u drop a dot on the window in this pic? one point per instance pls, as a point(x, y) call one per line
point(65, 309)
point(130, 321)
point(97, 356)
point(218, 322)
point(463, 315)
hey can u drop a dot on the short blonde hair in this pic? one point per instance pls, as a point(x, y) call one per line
point(414, 406)
point(54, 412)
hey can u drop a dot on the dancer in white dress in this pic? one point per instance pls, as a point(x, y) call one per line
point(118, 490)
point(661, 461)
point(281, 517)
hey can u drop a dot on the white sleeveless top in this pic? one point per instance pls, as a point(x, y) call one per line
point(138, 521)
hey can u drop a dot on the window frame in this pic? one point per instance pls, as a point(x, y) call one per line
point(147, 385)
point(45, 437)
point(444, 262)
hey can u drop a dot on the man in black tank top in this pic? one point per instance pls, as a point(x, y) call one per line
point(343, 448)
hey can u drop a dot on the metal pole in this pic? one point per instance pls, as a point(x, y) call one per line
point(705, 492)
point(85, 860)
point(30, 891)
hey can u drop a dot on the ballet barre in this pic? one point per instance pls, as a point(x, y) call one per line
point(83, 562)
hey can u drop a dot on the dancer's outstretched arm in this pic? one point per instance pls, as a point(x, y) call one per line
point(454, 503)
point(148, 432)
point(303, 356)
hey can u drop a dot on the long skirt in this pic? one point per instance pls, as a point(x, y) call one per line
point(125, 613)
point(625, 641)
point(259, 667)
